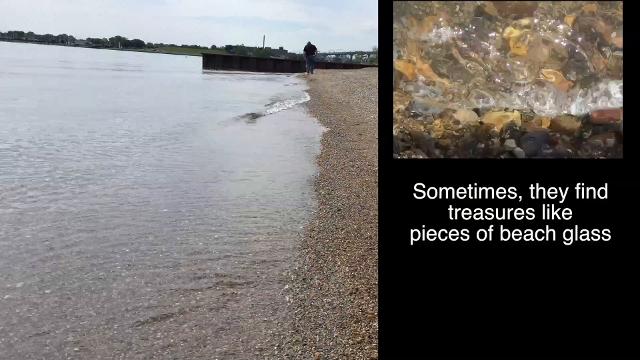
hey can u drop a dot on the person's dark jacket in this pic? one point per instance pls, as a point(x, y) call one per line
point(310, 49)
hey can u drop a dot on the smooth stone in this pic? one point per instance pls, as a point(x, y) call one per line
point(559, 151)
point(519, 153)
point(603, 140)
point(498, 119)
point(444, 143)
point(426, 107)
point(511, 131)
point(510, 144)
point(597, 142)
point(466, 117)
point(423, 141)
point(401, 142)
point(419, 153)
point(515, 9)
point(606, 116)
point(565, 124)
point(532, 143)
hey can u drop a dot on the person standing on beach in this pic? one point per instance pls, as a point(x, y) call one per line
point(310, 51)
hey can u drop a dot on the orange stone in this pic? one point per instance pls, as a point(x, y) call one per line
point(606, 116)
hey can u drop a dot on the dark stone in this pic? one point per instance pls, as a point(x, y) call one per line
point(484, 11)
point(445, 144)
point(511, 131)
point(483, 133)
point(401, 142)
point(533, 142)
point(468, 142)
point(423, 141)
point(251, 116)
point(559, 152)
point(419, 153)
point(587, 27)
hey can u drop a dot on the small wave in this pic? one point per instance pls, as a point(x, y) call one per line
point(287, 103)
point(277, 106)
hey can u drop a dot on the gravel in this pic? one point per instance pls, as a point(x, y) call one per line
point(333, 290)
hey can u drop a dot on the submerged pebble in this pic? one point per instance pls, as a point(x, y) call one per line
point(519, 153)
point(606, 116)
point(510, 144)
point(565, 124)
point(545, 75)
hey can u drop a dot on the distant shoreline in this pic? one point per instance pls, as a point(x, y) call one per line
point(170, 50)
point(167, 50)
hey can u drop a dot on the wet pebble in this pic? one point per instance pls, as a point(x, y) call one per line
point(515, 9)
point(498, 119)
point(510, 144)
point(565, 124)
point(511, 131)
point(519, 153)
point(603, 140)
point(466, 117)
point(560, 151)
point(555, 59)
point(533, 142)
point(423, 141)
point(401, 143)
point(425, 107)
point(607, 116)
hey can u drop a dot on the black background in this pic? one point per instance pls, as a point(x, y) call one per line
point(516, 300)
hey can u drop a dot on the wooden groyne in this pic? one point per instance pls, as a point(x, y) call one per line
point(257, 64)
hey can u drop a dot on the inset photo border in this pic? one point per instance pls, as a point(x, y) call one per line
point(507, 79)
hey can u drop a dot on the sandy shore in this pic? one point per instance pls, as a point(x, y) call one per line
point(334, 286)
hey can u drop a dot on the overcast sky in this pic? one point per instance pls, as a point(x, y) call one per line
point(331, 25)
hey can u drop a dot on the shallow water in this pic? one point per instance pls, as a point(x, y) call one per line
point(141, 213)
point(550, 57)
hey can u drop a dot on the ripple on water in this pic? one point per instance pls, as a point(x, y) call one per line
point(137, 206)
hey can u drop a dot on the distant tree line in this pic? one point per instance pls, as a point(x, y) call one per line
point(64, 39)
point(32, 37)
point(121, 42)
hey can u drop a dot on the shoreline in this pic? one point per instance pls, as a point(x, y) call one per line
point(150, 51)
point(334, 283)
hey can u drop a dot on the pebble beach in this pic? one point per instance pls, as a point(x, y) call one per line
point(333, 289)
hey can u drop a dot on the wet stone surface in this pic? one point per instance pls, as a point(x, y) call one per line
point(508, 79)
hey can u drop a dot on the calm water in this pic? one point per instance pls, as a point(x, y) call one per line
point(141, 214)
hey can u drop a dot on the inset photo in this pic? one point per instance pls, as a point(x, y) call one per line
point(507, 79)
